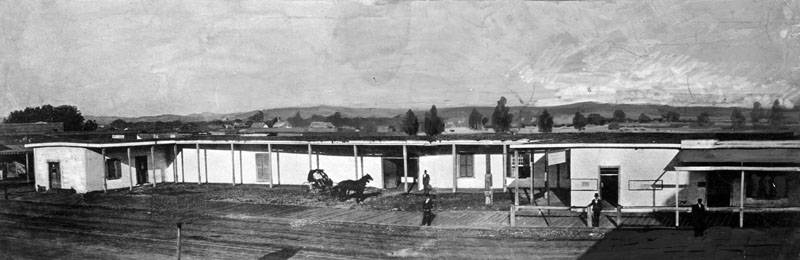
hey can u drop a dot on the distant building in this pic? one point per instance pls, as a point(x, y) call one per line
point(32, 128)
point(321, 127)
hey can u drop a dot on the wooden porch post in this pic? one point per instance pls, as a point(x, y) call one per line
point(105, 169)
point(199, 176)
point(310, 165)
point(455, 169)
point(278, 165)
point(28, 167)
point(233, 166)
point(516, 176)
point(130, 169)
point(531, 163)
point(205, 162)
point(153, 167)
point(505, 166)
point(355, 160)
point(547, 176)
point(269, 170)
point(175, 163)
point(741, 201)
point(405, 168)
point(677, 216)
point(183, 168)
point(241, 173)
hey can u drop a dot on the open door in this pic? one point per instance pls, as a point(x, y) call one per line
point(609, 185)
point(54, 169)
point(141, 169)
point(720, 186)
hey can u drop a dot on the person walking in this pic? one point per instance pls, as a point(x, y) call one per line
point(699, 218)
point(427, 211)
point(426, 182)
point(596, 206)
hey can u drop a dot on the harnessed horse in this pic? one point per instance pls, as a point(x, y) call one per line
point(357, 187)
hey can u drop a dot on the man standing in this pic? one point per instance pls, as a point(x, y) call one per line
point(596, 206)
point(699, 218)
point(427, 211)
point(426, 182)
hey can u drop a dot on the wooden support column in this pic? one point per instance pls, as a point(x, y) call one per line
point(197, 147)
point(130, 168)
point(183, 168)
point(105, 169)
point(505, 166)
point(355, 160)
point(175, 163)
point(205, 162)
point(515, 163)
point(530, 163)
point(28, 168)
point(310, 165)
point(153, 167)
point(741, 200)
point(455, 169)
point(317, 155)
point(677, 216)
point(269, 170)
point(241, 173)
point(278, 165)
point(405, 168)
point(547, 177)
point(233, 166)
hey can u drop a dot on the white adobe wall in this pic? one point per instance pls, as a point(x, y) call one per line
point(634, 164)
point(71, 161)
point(287, 168)
point(440, 168)
point(95, 173)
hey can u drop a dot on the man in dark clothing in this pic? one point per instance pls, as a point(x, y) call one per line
point(596, 206)
point(426, 182)
point(427, 211)
point(699, 218)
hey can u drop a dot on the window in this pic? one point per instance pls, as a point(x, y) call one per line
point(766, 185)
point(607, 170)
point(113, 169)
point(465, 163)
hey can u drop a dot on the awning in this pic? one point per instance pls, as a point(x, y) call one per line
point(765, 159)
point(13, 149)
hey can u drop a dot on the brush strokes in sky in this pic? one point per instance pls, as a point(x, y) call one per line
point(132, 58)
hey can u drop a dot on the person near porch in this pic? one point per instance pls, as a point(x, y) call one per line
point(596, 206)
point(427, 211)
point(699, 218)
point(426, 182)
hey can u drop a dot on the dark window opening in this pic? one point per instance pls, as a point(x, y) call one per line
point(113, 169)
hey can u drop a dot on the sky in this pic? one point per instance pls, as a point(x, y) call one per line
point(136, 58)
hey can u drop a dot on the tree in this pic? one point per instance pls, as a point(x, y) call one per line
point(434, 125)
point(545, 122)
point(644, 118)
point(619, 116)
point(704, 119)
point(297, 120)
point(335, 119)
point(119, 124)
point(596, 119)
point(579, 121)
point(90, 125)
point(776, 115)
point(757, 113)
point(257, 117)
point(737, 119)
point(475, 119)
point(673, 116)
point(68, 115)
point(410, 123)
point(501, 119)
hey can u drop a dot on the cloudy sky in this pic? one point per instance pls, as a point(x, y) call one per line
point(133, 58)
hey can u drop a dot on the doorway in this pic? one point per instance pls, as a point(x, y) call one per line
point(263, 169)
point(393, 171)
point(720, 186)
point(141, 169)
point(609, 185)
point(54, 171)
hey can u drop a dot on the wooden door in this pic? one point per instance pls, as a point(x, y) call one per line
point(263, 169)
point(141, 169)
point(54, 169)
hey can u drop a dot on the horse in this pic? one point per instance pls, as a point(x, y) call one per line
point(357, 187)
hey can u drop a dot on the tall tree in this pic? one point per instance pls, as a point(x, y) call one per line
point(596, 119)
point(673, 116)
point(776, 115)
point(501, 118)
point(69, 115)
point(297, 120)
point(257, 117)
point(475, 119)
point(757, 113)
point(619, 116)
point(335, 119)
point(90, 125)
point(579, 121)
point(737, 119)
point(545, 122)
point(644, 118)
point(410, 123)
point(434, 125)
point(704, 119)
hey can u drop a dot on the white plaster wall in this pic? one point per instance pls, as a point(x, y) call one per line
point(72, 163)
point(634, 164)
point(440, 168)
point(95, 173)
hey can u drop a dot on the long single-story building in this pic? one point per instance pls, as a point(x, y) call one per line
point(628, 170)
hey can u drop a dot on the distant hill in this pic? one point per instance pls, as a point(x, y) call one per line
point(632, 111)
